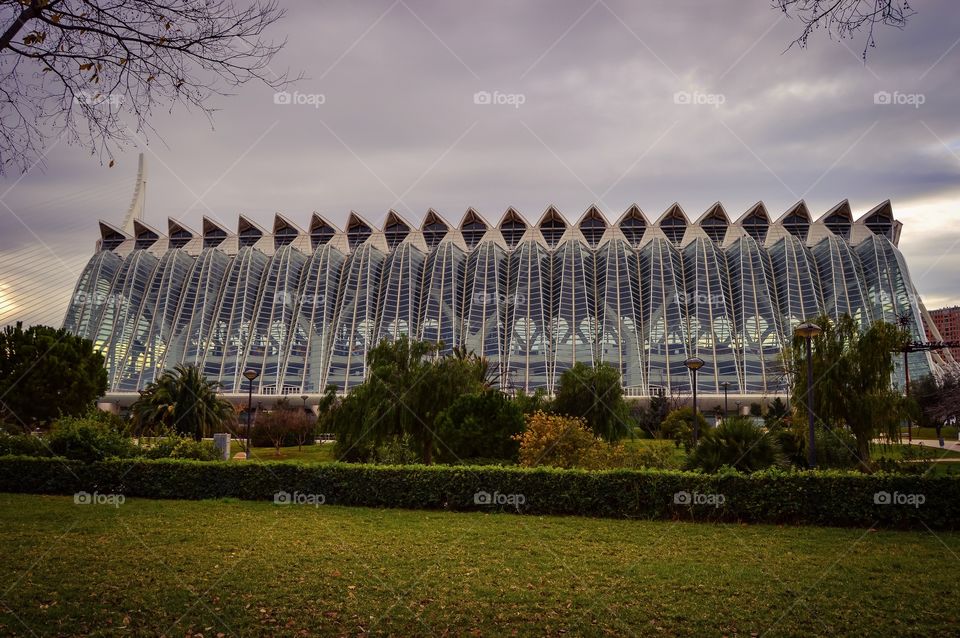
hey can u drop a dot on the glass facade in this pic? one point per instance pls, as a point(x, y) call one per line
point(303, 308)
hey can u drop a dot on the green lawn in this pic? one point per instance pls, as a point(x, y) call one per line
point(949, 433)
point(900, 451)
point(181, 568)
point(317, 453)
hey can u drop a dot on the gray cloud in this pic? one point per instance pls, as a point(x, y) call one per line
point(599, 122)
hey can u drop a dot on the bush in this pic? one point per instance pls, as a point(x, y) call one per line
point(678, 426)
point(22, 445)
point(563, 441)
point(174, 446)
point(771, 496)
point(653, 456)
point(739, 444)
point(396, 450)
point(481, 425)
point(89, 439)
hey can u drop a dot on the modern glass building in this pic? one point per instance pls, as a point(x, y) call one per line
point(302, 306)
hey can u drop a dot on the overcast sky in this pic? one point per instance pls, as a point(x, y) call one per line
point(601, 102)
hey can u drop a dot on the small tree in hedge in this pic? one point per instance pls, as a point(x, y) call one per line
point(678, 427)
point(479, 425)
point(561, 441)
point(595, 394)
point(739, 444)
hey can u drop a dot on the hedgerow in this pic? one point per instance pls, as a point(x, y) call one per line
point(832, 498)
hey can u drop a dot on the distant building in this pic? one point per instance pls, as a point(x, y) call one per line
point(302, 306)
point(947, 321)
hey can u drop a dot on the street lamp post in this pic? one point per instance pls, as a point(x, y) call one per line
point(250, 375)
point(726, 407)
point(694, 364)
point(808, 330)
point(304, 397)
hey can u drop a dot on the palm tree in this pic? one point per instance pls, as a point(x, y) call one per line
point(184, 400)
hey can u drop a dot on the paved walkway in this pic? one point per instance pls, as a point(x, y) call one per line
point(948, 444)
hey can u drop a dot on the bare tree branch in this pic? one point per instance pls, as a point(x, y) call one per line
point(846, 18)
point(74, 68)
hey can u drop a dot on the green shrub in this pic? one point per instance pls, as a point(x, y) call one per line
point(770, 496)
point(653, 455)
point(22, 444)
point(174, 446)
point(395, 450)
point(481, 425)
point(678, 426)
point(739, 444)
point(89, 439)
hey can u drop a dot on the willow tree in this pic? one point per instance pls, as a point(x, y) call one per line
point(408, 386)
point(852, 374)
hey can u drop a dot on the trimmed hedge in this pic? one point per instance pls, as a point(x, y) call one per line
point(774, 496)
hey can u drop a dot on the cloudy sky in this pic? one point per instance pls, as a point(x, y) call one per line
point(600, 102)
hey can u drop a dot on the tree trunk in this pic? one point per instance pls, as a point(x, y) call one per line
point(863, 453)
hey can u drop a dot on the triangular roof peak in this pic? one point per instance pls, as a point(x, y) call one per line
point(176, 226)
point(551, 213)
point(674, 211)
point(354, 219)
point(432, 217)
point(511, 214)
point(634, 212)
point(393, 217)
point(280, 222)
point(715, 211)
point(139, 226)
point(884, 208)
point(800, 208)
point(209, 225)
point(107, 229)
point(473, 216)
point(757, 210)
point(245, 223)
point(317, 220)
point(593, 213)
point(841, 209)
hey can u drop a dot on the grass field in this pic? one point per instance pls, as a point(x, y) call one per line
point(322, 453)
point(215, 568)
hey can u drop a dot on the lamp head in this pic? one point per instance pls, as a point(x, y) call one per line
point(807, 330)
point(251, 374)
point(694, 363)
